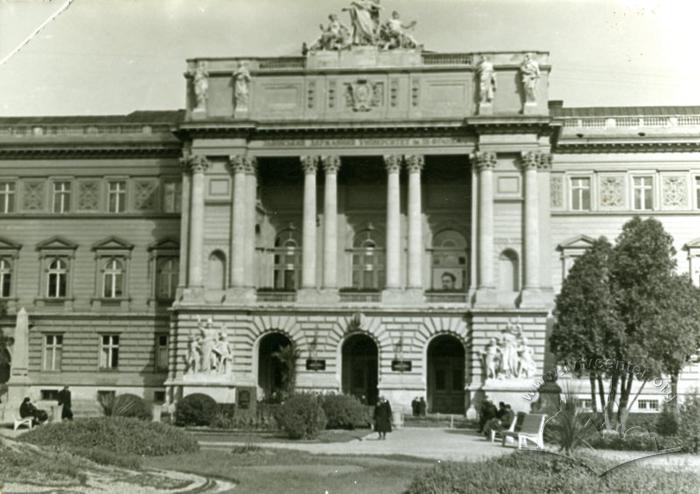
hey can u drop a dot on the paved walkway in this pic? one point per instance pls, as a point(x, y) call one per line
point(421, 442)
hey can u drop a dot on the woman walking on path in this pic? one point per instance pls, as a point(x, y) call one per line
point(382, 417)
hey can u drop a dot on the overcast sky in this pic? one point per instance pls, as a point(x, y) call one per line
point(116, 56)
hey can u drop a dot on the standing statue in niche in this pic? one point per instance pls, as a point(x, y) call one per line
point(200, 85)
point(241, 87)
point(530, 76)
point(487, 80)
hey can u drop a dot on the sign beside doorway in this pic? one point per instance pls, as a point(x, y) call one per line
point(401, 365)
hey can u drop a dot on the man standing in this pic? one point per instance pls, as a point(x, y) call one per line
point(64, 399)
point(382, 417)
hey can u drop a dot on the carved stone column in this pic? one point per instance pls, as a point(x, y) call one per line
point(393, 219)
point(308, 272)
point(414, 164)
point(239, 166)
point(198, 165)
point(251, 181)
point(485, 163)
point(531, 248)
point(331, 165)
point(184, 226)
point(543, 179)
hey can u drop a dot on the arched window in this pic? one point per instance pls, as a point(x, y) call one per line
point(508, 271)
point(5, 278)
point(367, 261)
point(57, 278)
point(287, 255)
point(216, 270)
point(167, 278)
point(449, 271)
point(113, 278)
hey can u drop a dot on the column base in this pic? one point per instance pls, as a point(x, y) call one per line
point(530, 108)
point(486, 297)
point(537, 297)
point(199, 113)
point(323, 296)
point(239, 295)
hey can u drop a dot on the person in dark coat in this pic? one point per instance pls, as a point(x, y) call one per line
point(382, 417)
point(421, 407)
point(27, 409)
point(64, 399)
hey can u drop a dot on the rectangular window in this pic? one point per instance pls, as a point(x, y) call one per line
point(643, 189)
point(172, 197)
point(49, 394)
point(167, 278)
point(61, 197)
point(53, 352)
point(697, 192)
point(162, 352)
point(113, 278)
point(109, 351)
point(648, 405)
point(7, 197)
point(581, 194)
point(159, 396)
point(5, 277)
point(117, 197)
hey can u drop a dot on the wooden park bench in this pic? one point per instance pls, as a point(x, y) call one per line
point(532, 429)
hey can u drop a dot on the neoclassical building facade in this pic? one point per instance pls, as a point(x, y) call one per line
point(403, 219)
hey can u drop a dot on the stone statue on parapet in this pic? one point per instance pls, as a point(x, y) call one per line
point(200, 84)
point(241, 83)
point(335, 36)
point(393, 33)
point(530, 76)
point(487, 80)
point(364, 15)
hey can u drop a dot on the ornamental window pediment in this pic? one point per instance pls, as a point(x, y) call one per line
point(572, 249)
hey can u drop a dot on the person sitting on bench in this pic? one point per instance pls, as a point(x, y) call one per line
point(27, 409)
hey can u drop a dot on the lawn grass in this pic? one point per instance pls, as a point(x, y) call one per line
point(273, 471)
point(254, 437)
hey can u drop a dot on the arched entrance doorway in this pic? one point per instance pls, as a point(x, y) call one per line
point(360, 368)
point(272, 371)
point(446, 375)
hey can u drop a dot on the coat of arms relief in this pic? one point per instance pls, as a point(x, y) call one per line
point(363, 95)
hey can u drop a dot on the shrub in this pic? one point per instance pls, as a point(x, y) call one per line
point(128, 405)
point(689, 427)
point(547, 473)
point(571, 429)
point(301, 416)
point(196, 409)
point(105, 457)
point(667, 421)
point(120, 435)
point(344, 412)
point(633, 441)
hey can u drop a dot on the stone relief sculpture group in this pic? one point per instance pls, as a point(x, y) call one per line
point(209, 352)
point(367, 29)
point(509, 356)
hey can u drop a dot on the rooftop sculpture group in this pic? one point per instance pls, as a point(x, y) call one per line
point(366, 30)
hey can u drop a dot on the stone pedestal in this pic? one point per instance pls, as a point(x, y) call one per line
point(536, 297)
point(549, 399)
point(518, 393)
point(220, 387)
point(199, 114)
point(485, 109)
point(311, 296)
point(486, 297)
point(530, 108)
point(239, 295)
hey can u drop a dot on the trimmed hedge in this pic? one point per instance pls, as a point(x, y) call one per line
point(128, 405)
point(119, 435)
point(301, 416)
point(548, 473)
point(196, 409)
point(344, 412)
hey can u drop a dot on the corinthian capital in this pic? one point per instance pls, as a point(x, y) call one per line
point(485, 160)
point(309, 164)
point(392, 163)
point(194, 164)
point(414, 162)
point(242, 164)
point(545, 163)
point(530, 160)
point(331, 164)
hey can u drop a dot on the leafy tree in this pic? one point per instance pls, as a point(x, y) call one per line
point(587, 329)
point(288, 356)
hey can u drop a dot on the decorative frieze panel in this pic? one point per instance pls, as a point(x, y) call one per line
point(556, 188)
point(145, 194)
point(675, 192)
point(88, 195)
point(612, 192)
point(364, 95)
point(33, 196)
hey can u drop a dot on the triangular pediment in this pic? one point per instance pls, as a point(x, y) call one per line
point(577, 242)
point(165, 244)
point(112, 243)
point(7, 244)
point(56, 242)
point(693, 244)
